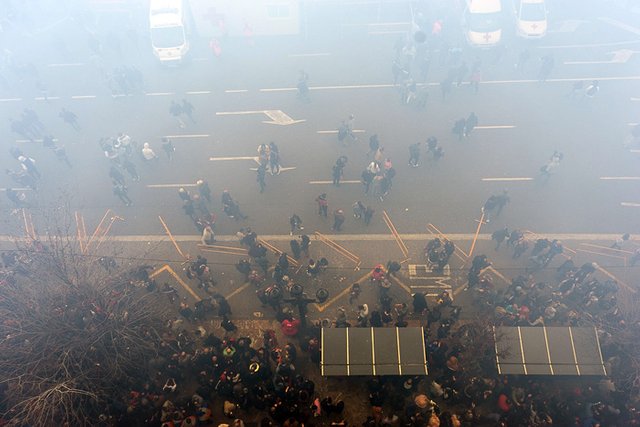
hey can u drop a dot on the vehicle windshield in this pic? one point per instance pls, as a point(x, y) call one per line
point(167, 37)
point(484, 22)
point(532, 12)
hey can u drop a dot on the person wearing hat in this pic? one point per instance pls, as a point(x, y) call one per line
point(204, 190)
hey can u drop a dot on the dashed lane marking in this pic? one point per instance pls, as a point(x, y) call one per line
point(635, 99)
point(188, 136)
point(573, 46)
point(21, 141)
point(159, 93)
point(46, 98)
point(305, 55)
point(70, 64)
point(236, 90)
point(83, 97)
point(495, 127)
point(335, 131)
point(630, 204)
point(198, 92)
point(620, 178)
point(16, 189)
point(218, 159)
point(10, 99)
point(508, 179)
point(341, 182)
point(170, 185)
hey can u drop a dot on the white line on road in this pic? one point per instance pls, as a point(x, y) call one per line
point(632, 124)
point(16, 189)
point(216, 159)
point(236, 113)
point(170, 185)
point(634, 151)
point(198, 92)
point(48, 98)
point(71, 64)
point(495, 127)
point(335, 131)
point(622, 25)
point(236, 90)
point(508, 179)
point(635, 99)
point(388, 32)
point(384, 24)
point(186, 136)
point(34, 140)
point(279, 89)
point(630, 204)
point(620, 178)
point(587, 62)
point(355, 181)
point(10, 99)
point(571, 46)
point(159, 93)
point(301, 55)
point(83, 96)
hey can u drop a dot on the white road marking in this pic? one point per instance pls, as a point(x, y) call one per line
point(508, 179)
point(83, 97)
point(634, 99)
point(35, 140)
point(634, 151)
point(630, 204)
point(236, 113)
point(71, 64)
point(388, 32)
point(304, 55)
point(16, 189)
point(280, 89)
point(200, 59)
point(48, 98)
point(620, 56)
point(281, 169)
point(573, 46)
point(170, 185)
point(218, 159)
point(632, 124)
point(198, 92)
point(341, 182)
point(495, 127)
point(159, 93)
point(187, 136)
point(278, 117)
point(620, 178)
point(568, 26)
point(236, 90)
point(622, 25)
point(382, 24)
point(10, 99)
point(335, 131)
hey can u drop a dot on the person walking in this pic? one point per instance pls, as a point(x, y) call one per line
point(338, 220)
point(274, 159)
point(168, 147)
point(358, 209)
point(414, 155)
point(204, 190)
point(470, 124)
point(368, 214)
point(336, 174)
point(69, 118)
point(499, 236)
point(187, 109)
point(121, 191)
point(296, 224)
point(131, 169)
point(147, 153)
point(374, 144)
point(184, 194)
point(303, 86)
point(459, 127)
point(323, 204)
point(261, 173)
point(29, 166)
point(208, 236)
point(176, 111)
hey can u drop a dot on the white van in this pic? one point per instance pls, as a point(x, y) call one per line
point(482, 22)
point(532, 19)
point(168, 34)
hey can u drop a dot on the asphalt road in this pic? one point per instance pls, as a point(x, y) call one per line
point(521, 123)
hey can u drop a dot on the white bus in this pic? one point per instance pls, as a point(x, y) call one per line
point(167, 25)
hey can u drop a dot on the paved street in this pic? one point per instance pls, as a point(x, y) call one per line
point(522, 122)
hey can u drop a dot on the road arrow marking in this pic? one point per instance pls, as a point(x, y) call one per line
point(568, 26)
point(278, 117)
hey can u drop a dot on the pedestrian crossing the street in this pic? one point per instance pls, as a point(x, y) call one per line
point(424, 280)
